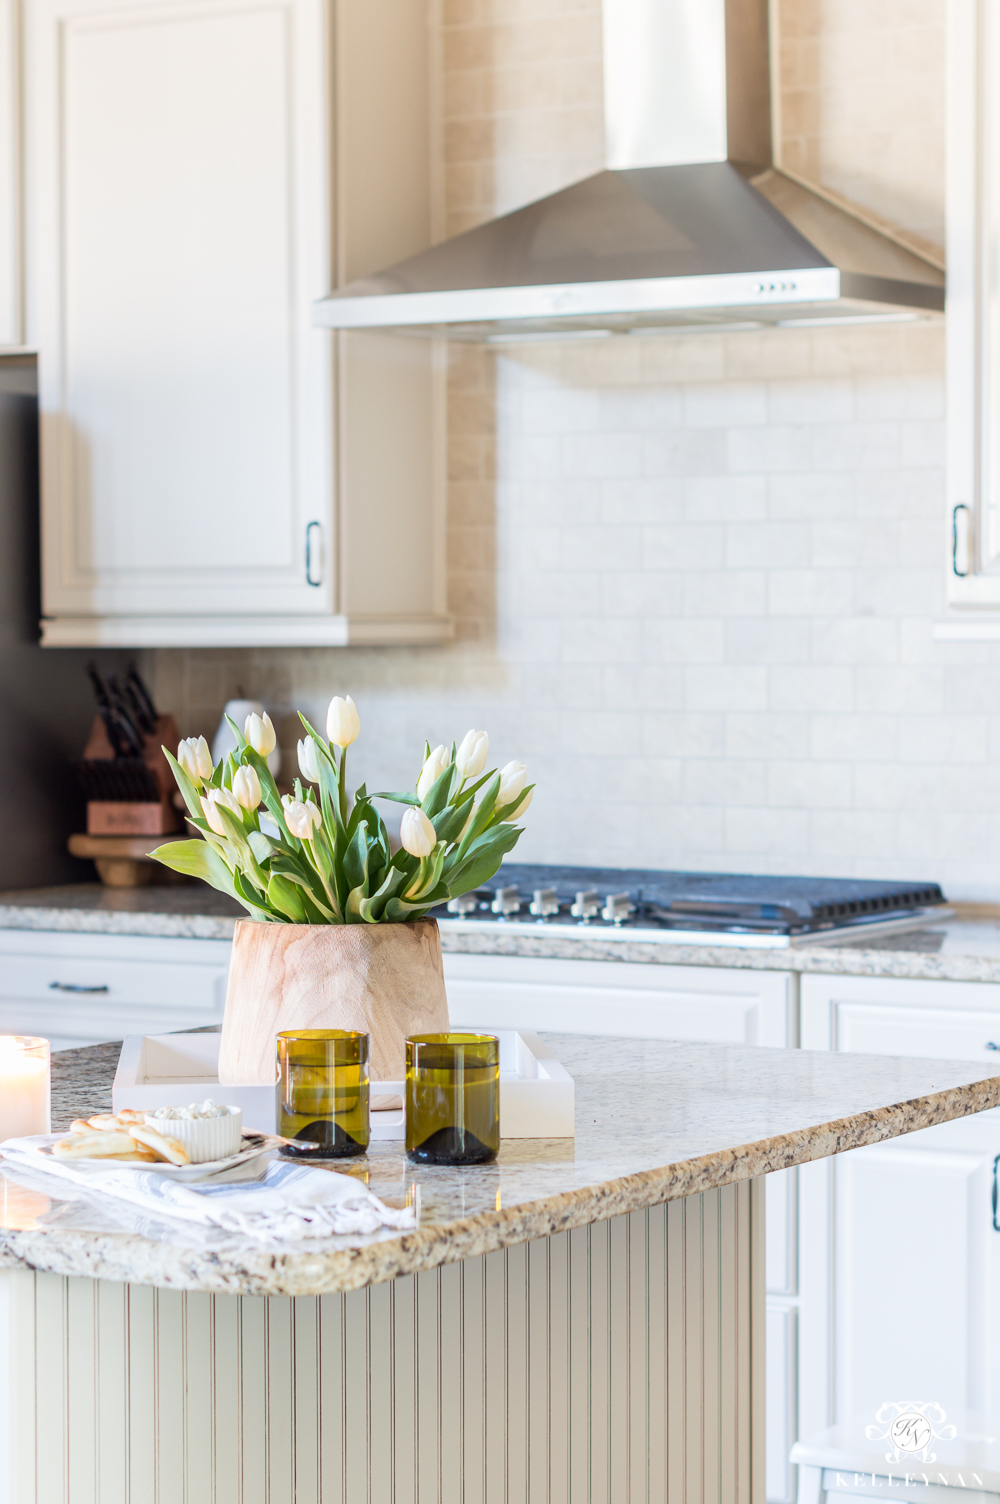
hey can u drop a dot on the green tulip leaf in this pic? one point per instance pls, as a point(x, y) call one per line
point(284, 896)
point(184, 783)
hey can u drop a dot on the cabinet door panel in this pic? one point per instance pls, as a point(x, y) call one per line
point(918, 1318)
point(179, 216)
point(10, 208)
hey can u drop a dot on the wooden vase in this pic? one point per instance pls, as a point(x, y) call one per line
point(385, 979)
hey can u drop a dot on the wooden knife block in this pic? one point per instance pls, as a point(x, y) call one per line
point(134, 817)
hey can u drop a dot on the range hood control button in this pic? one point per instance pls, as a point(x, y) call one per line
point(467, 904)
point(506, 901)
point(587, 906)
point(544, 903)
point(618, 907)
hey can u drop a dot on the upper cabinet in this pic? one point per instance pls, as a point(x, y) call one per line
point(973, 318)
point(10, 180)
point(216, 470)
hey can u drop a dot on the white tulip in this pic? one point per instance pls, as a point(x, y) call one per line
point(195, 757)
point(260, 733)
point(512, 780)
point(303, 819)
point(470, 759)
point(342, 723)
point(246, 787)
point(210, 804)
point(517, 813)
point(309, 760)
point(432, 770)
point(416, 833)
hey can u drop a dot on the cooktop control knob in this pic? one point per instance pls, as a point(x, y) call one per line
point(587, 905)
point(618, 907)
point(506, 901)
point(467, 904)
point(544, 903)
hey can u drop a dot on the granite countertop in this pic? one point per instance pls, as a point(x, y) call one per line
point(965, 948)
point(655, 1121)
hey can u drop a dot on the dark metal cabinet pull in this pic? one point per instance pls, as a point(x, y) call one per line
point(74, 987)
point(314, 553)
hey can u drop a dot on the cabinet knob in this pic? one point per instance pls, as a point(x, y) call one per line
point(314, 553)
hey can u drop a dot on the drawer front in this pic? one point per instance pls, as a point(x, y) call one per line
point(928, 1020)
point(83, 980)
point(928, 1033)
point(618, 998)
point(75, 989)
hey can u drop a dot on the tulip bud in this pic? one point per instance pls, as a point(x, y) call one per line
point(210, 804)
point(342, 724)
point(246, 787)
point(517, 813)
point(416, 833)
point(260, 733)
point(512, 780)
point(195, 758)
point(470, 759)
point(432, 770)
point(303, 819)
point(308, 754)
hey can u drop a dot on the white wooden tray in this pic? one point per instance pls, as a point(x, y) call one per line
point(170, 1070)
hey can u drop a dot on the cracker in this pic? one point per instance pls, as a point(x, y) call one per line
point(164, 1148)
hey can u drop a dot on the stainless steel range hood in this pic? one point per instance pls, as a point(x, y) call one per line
point(690, 225)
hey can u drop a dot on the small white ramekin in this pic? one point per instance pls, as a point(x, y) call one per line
point(203, 1138)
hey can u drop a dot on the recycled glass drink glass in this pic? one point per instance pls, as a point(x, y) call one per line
point(323, 1091)
point(452, 1098)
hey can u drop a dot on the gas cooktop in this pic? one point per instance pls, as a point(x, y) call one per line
point(717, 908)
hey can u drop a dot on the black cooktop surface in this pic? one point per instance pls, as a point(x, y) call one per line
point(692, 900)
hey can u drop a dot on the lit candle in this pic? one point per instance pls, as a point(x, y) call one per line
point(24, 1086)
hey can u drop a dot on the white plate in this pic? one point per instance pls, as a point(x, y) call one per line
point(254, 1144)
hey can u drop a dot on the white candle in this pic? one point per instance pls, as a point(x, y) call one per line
point(24, 1086)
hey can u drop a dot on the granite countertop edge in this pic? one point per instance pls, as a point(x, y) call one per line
point(843, 959)
point(129, 1258)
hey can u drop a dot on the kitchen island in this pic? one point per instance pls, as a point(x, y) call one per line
point(582, 1320)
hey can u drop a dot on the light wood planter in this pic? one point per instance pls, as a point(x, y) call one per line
point(386, 979)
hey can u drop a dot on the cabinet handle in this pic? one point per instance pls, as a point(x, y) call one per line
point(996, 1224)
point(961, 540)
point(74, 987)
point(314, 553)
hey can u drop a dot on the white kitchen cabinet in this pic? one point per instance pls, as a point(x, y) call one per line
point(215, 469)
point(973, 330)
point(10, 179)
point(921, 1319)
point(76, 989)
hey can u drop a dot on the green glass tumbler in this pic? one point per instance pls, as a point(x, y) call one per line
point(323, 1092)
point(452, 1098)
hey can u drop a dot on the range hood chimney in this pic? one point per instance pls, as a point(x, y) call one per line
point(690, 224)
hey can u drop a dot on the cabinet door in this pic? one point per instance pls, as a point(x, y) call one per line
point(10, 207)
point(919, 1319)
point(178, 205)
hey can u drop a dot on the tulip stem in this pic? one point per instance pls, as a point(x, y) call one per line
point(343, 786)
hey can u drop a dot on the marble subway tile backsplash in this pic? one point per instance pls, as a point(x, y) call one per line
point(698, 603)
